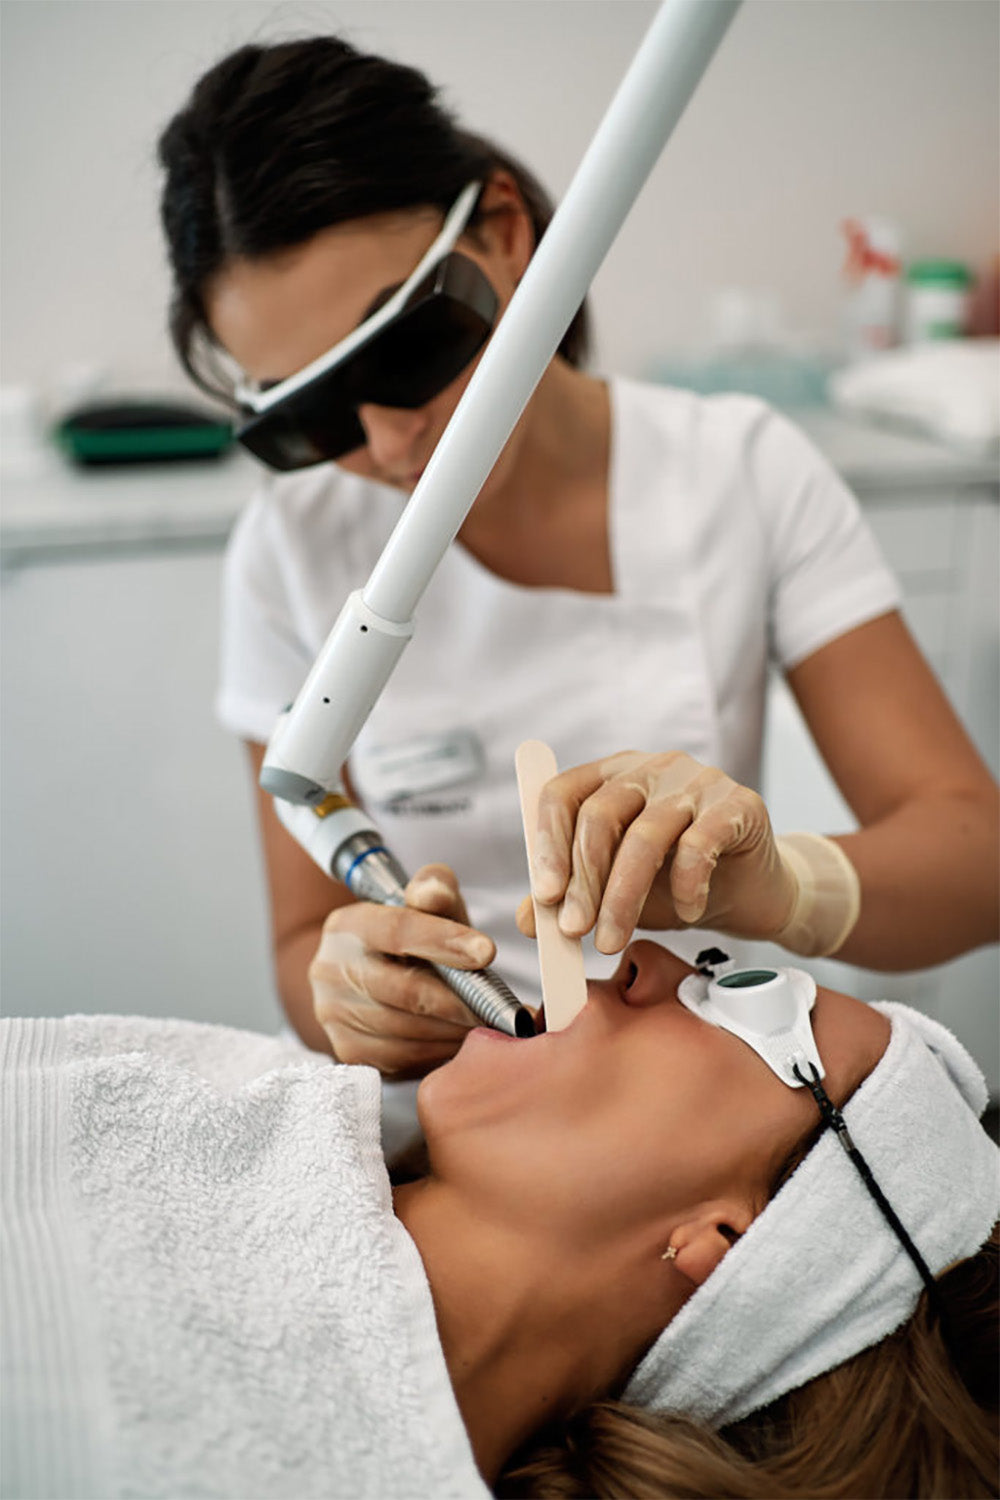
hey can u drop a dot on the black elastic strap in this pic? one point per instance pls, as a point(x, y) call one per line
point(832, 1117)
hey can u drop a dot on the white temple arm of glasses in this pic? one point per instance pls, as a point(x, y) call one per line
point(305, 755)
point(458, 216)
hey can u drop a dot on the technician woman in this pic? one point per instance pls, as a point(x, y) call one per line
point(636, 559)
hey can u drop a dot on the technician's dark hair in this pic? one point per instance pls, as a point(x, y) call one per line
point(277, 143)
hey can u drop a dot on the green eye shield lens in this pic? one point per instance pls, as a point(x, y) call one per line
point(407, 362)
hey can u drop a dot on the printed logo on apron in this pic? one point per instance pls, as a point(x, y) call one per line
point(422, 776)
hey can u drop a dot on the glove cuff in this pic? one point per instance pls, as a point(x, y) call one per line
point(828, 895)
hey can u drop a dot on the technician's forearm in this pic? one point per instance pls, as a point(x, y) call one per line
point(292, 974)
point(930, 882)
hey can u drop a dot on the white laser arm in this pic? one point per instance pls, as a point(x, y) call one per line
point(312, 741)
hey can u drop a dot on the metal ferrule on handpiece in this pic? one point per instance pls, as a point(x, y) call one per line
point(369, 871)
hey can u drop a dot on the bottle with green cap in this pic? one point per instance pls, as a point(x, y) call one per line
point(937, 300)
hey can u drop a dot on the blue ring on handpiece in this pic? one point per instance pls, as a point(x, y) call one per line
point(378, 849)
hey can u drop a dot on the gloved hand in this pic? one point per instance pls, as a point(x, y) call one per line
point(373, 993)
point(658, 841)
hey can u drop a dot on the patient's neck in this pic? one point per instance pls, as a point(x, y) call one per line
point(532, 1326)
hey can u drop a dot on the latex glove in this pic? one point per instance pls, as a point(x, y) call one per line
point(657, 841)
point(373, 993)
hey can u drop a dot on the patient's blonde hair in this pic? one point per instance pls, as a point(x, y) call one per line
point(910, 1417)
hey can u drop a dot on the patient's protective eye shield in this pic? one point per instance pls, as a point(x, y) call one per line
point(769, 1010)
point(404, 355)
point(766, 1008)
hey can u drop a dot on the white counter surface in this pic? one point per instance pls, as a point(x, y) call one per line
point(871, 457)
point(54, 509)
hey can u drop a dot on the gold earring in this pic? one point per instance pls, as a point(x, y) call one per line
point(670, 1253)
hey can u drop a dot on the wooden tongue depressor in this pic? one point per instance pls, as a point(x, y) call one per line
point(564, 984)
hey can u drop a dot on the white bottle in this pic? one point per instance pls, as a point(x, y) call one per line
point(871, 310)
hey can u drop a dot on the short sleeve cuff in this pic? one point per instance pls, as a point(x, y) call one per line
point(835, 613)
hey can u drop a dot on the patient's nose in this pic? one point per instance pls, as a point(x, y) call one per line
point(648, 974)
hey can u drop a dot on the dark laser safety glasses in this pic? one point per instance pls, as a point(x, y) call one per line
point(404, 355)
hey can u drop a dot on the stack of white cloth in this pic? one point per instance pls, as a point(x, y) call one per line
point(205, 1289)
point(947, 389)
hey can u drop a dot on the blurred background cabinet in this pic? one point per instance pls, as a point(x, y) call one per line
point(130, 878)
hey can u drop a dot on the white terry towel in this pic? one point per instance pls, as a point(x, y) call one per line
point(206, 1292)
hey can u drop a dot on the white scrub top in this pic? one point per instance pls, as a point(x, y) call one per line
point(734, 545)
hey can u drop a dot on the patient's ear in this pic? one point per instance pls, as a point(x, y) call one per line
point(703, 1238)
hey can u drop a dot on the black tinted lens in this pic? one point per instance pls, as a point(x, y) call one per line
point(422, 350)
point(312, 426)
point(441, 330)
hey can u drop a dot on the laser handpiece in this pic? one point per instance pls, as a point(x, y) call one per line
point(343, 842)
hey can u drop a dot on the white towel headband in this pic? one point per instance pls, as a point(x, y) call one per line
point(819, 1275)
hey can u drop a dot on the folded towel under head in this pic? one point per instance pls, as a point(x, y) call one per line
point(820, 1275)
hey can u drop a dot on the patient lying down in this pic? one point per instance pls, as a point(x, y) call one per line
point(638, 1264)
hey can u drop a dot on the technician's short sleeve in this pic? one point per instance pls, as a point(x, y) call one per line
point(827, 574)
point(263, 660)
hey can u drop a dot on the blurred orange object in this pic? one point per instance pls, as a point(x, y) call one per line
point(984, 308)
point(871, 271)
point(863, 256)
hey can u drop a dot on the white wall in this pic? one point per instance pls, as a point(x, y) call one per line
point(813, 110)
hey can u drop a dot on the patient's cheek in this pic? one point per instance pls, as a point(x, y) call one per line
point(487, 1084)
point(432, 1102)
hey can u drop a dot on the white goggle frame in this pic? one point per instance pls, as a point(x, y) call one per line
point(766, 1008)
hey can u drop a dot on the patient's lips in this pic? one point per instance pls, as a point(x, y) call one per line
point(487, 1034)
point(595, 987)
